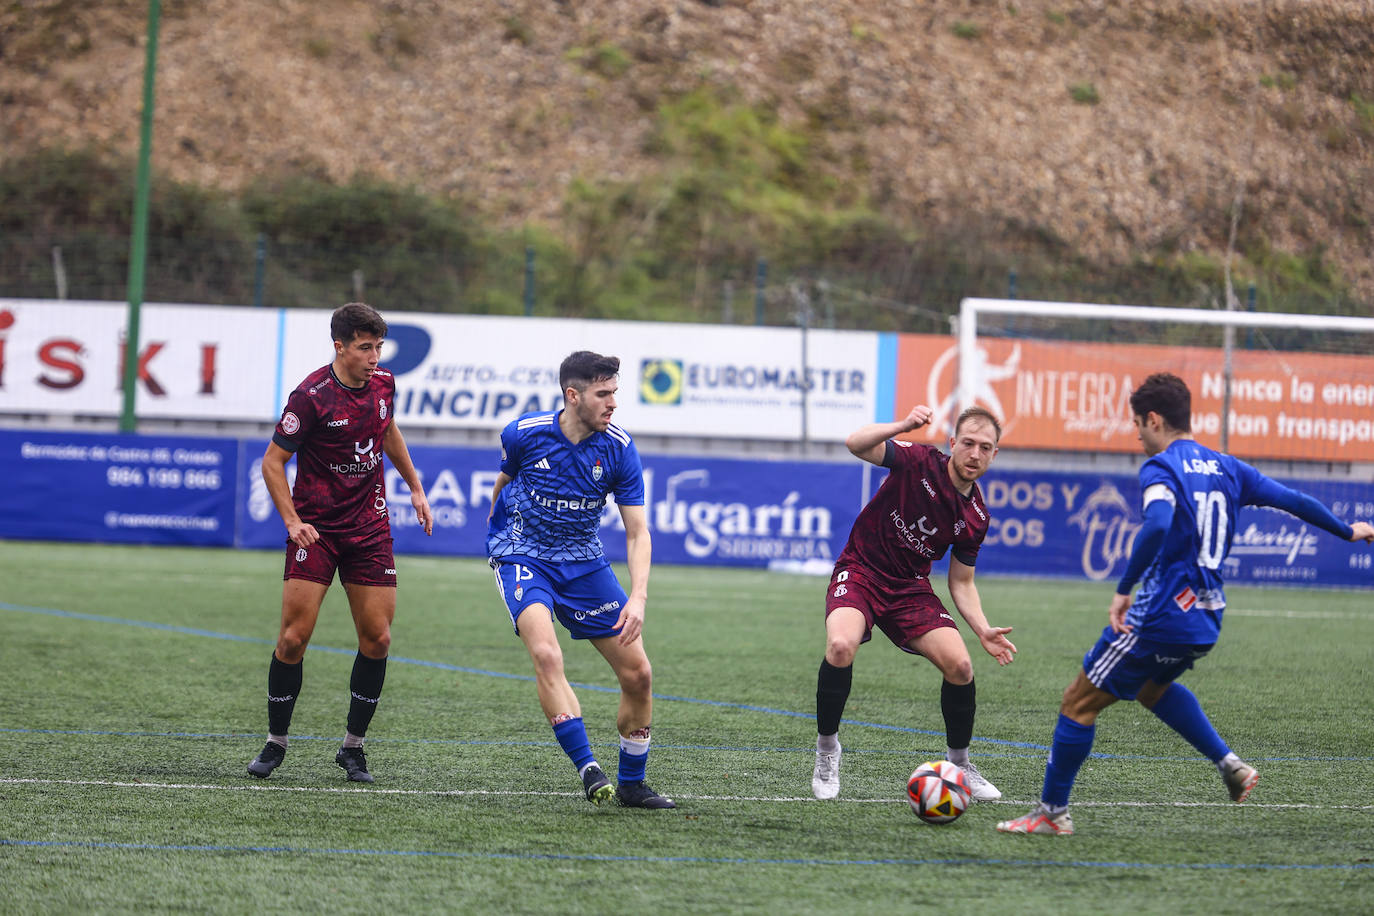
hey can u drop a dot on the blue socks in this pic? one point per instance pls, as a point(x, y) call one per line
point(572, 735)
point(1072, 744)
point(634, 754)
point(1180, 710)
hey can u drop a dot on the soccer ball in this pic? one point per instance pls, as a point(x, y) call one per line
point(938, 792)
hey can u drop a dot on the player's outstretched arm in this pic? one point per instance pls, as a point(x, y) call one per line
point(1362, 531)
point(394, 444)
point(868, 442)
point(967, 601)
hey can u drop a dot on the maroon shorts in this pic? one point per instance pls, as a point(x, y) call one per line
point(360, 559)
point(902, 610)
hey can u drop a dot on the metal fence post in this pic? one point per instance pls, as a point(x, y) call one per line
point(760, 281)
point(259, 269)
point(529, 280)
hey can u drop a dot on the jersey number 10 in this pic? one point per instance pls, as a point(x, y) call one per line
point(1213, 527)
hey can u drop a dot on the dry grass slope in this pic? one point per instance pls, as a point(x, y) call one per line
point(1119, 129)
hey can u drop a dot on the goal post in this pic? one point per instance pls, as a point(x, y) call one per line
point(1266, 386)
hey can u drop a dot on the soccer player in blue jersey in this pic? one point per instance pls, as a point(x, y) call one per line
point(1191, 497)
point(557, 470)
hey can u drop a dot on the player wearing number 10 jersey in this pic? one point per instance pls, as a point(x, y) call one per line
point(1191, 498)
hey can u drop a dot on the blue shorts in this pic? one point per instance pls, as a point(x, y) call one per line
point(1121, 663)
point(586, 597)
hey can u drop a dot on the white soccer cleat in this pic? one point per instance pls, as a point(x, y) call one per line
point(1038, 821)
point(1240, 779)
point(825, 778)
point(978, 786)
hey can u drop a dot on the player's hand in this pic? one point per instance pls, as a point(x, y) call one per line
point(1363, 532)
point(1117, 614)
point(994, 640)
point(302, 534)
point(631, 621)
point(920, 415)
point(422, 511)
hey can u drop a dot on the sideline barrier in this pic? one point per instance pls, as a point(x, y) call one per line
point(116, 488)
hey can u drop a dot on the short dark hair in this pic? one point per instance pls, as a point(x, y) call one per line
point(356, 318)
point(582, 368)
point(979, 413)
point(1167, 395)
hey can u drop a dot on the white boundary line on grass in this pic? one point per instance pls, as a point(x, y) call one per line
point(460, 793)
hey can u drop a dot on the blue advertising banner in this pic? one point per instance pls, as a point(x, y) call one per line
point(712, 511)
point(702, 510)
point(118, 488)
point(1083, 526)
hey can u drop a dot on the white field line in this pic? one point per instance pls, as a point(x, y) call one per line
point(463, 793)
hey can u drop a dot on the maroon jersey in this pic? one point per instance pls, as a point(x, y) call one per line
point(915, 517)
point(336, 434)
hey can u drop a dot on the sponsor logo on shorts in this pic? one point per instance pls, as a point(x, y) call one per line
point(300, 555)
point(947, 617)
point(598, 611)
point(1167, 659)
point(290, 423)
point(388, 572)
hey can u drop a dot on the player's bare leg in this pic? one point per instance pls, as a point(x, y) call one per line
point(944, 647)
point(557, 700)
point(300, 609)
point(844, 632)
point(373, 608)
point(636, 712)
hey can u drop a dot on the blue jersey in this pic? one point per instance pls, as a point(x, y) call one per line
point(1181, 596)
point(551, 509)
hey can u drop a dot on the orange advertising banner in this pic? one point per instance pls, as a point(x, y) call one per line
point(1073, 396)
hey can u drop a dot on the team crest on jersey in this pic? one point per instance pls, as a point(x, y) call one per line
point(290, 423)
point(596, 470)
point(381, 408)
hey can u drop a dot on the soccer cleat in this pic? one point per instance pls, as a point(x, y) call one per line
point(354, 762)
point(639, 795)
point(596, 785)
point(978, 786)
point(268, 760)
point(1039, 822)
point(825, 778)
point(1240, 779)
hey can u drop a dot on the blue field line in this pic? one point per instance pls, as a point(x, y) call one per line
point(687, 860)
point(444, 666)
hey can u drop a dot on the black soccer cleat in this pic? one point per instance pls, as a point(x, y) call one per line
point(596, 785)
point(354, 762)
point(271, 757)
point(639, 795)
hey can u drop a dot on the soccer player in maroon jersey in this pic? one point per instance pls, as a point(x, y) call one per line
point(338, 423)
point(929, 504)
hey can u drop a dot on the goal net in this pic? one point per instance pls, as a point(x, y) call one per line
point(1287, 388)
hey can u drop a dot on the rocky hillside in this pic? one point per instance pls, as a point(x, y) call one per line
point(1123, 130)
